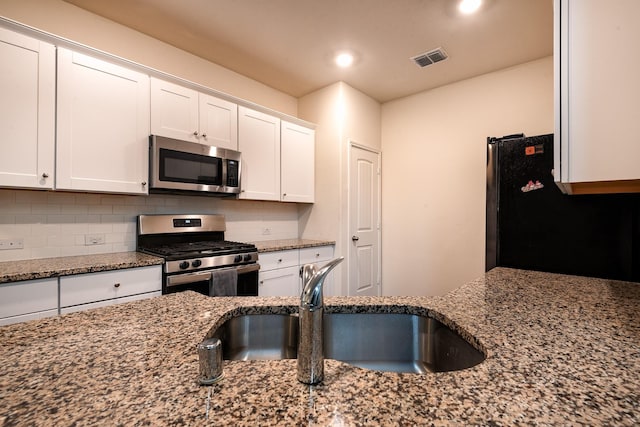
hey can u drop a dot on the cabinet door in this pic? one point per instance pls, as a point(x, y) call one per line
point(297, 168)
point(280, 282)
point(27, 300)
point(103, 126)
point(27, 111)
point(599, 90)
point(174, 111)
point(218, 122)
point(259, 143)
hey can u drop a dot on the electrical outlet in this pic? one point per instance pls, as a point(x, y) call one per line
point(93, 239)
point(17, 243)
point(266, 231)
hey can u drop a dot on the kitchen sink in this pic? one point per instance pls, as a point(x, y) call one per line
point(379, 341)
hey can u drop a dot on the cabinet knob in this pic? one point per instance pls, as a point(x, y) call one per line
point(317, 255)
point(45, 175)
point(262, 282)
point(280, 260)
point(144, 183)
point(195, 133)
point(204, 135)
point(116, 285)
point(284, 194)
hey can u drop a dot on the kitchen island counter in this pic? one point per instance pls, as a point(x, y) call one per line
point(560, 350)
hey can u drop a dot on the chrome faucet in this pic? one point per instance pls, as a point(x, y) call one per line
point(310, 344)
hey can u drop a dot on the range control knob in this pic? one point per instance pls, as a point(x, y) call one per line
point(247, 257)
point(237, 258)
point(196, 263)
point(184, 265)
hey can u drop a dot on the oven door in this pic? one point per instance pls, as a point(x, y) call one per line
point(202, 281)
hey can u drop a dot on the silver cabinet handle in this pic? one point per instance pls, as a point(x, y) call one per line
point(355, 238)
point(45, 175)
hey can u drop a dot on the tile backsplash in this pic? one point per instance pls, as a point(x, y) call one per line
point(52, 224)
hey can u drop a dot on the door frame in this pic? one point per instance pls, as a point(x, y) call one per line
point(351, 145)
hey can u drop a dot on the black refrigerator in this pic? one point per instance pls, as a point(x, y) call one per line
point(532, 225)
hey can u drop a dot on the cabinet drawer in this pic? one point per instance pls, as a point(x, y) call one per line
point(28, 296)
point(319, 253)
point(92, 287)
point(280, 259)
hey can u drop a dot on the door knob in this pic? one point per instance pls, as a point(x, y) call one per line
point(355, 238)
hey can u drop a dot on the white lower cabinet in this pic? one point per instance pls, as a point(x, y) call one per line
point(280, 271)
point(28, 300)
point(280, 282)
point(279, 274)
point(92, 290)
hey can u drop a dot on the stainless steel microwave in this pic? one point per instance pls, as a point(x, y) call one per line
point(180, 166)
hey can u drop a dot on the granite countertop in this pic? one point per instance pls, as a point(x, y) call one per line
point(30, 269)
point(286, 244)
point(561, 350)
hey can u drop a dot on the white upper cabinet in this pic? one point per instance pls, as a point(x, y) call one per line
point(27, 111)
point(182, 113)
point(103, 126)
point(218, 122)
point(297, 163)
point(259, 143)
point(597, 95)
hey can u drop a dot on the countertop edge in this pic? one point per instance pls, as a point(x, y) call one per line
point(265, 246)
point(45, 268)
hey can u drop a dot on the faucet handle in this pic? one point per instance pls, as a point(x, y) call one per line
point(308, 271)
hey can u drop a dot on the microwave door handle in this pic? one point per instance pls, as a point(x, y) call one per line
point(188, 278)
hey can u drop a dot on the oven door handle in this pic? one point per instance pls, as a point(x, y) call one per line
point(248, 268)
point(188, 278)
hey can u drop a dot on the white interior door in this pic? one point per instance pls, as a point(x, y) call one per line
point(364, 221)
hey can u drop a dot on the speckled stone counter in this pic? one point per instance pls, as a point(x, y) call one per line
point(286, 244)
point(561, 350)
point(30, 269)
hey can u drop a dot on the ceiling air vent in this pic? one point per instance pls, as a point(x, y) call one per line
point(431, 57)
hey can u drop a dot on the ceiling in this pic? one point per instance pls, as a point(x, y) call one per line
point(289, 44)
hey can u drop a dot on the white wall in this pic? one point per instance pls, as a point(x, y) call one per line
point(342, 114)
point(433, 172)
point(66, 20)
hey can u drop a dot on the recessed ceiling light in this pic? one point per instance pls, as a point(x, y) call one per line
point(344, 59)
point(469, 6)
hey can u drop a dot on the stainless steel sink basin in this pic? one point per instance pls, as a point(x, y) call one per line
point(383, 342)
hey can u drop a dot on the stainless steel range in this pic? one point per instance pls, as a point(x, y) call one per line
point(196, 255)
